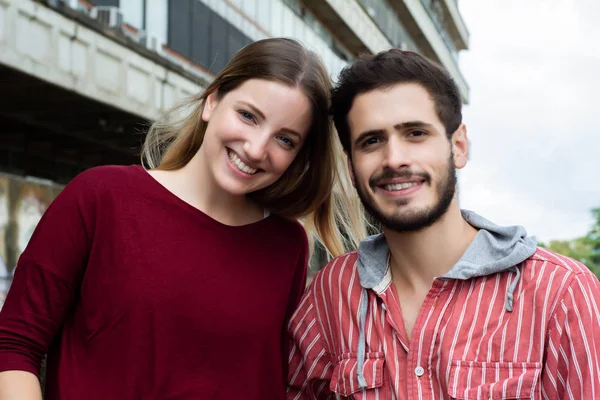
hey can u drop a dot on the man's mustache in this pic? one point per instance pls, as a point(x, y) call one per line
point(388, 174)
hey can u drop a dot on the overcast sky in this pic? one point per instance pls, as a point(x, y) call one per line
point(533, 67)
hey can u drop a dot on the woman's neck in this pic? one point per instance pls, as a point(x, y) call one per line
point(196, 186)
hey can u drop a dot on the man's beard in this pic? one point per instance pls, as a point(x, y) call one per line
point(411, 221)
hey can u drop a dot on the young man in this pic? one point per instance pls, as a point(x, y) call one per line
point(444, 303)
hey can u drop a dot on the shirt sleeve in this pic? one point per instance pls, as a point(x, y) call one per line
point(310, 364)
point(47, 278)
point(572, 368)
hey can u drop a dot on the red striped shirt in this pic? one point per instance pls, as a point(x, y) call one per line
point(464, 344)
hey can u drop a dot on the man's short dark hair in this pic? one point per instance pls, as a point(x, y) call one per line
point(389, 68)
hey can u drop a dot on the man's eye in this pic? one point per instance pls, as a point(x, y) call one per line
point(417, 133)
point(370, 141)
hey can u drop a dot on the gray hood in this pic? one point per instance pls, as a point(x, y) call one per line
point(494, 249)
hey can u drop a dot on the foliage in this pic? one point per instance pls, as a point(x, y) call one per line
point(585, 249)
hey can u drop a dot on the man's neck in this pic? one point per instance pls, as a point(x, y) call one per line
point(417, 258)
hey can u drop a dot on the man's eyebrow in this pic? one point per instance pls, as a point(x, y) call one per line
point(398, 127)
point(412, 124)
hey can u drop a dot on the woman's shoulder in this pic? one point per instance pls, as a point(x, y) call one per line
point(288, 225)
point(107, 177)
point(99, 184)
point(288, 231)
point(109, 173)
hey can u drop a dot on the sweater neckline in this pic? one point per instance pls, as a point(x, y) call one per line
point(182, 203)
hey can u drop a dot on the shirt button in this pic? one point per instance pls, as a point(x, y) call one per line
point(419, 371)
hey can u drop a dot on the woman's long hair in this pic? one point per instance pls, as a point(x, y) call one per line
point(312, 188)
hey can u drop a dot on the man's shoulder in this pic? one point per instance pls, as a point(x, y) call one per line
point(339, 264)
point(338, 272)
point(555, 263)
point(552, 277)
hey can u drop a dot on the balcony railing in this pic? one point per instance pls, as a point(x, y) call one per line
point(436, 13)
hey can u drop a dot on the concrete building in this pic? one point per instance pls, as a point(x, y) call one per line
point(80, 80)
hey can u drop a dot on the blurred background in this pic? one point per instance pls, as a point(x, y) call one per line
point(81, 80)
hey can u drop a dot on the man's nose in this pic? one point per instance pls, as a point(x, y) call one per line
point(397, 155)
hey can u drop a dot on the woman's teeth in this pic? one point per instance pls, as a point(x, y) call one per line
point(240, 164)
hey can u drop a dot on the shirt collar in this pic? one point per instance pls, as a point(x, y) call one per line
point(373, 263)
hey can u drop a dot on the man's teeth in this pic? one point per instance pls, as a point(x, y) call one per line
point(400, 186)
point(241, 166)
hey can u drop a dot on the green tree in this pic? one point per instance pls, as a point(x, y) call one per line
point(593, 238)
point(585, 249)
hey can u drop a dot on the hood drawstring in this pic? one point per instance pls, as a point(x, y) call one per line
point(511, 289)
point(364, 303)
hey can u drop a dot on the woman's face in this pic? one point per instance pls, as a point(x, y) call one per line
point(254, 133)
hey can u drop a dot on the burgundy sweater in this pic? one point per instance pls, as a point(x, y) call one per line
point(135, 294)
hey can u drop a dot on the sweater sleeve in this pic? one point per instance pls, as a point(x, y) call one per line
point(571, 368)
point(47, 278)
point(299, 282)
point(296, 292)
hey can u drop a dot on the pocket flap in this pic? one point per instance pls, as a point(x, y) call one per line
point(493, 380)
point(345, 378)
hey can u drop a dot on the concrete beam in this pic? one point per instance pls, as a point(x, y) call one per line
point(415, 18)
point(44, 43)
point(458, 28)
point(350, 24)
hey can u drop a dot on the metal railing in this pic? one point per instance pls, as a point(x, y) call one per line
point(435, 12)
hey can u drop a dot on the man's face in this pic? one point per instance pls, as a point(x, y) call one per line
point(402, 163)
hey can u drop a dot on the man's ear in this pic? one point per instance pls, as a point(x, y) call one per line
point(350, 169)
point(209, 105)
point(460, 146)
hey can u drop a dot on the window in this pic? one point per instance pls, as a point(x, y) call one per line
point(203, 36)
point(156, 19)
point(113, 3)
point(133, 13)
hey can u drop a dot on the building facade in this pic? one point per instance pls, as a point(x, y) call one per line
point(82, 79)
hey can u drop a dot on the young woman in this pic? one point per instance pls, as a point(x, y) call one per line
point(176, 282)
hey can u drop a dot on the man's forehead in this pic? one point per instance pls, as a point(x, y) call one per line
point(390, 106)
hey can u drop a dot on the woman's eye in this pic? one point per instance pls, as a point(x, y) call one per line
point(246, 115)
point(286, 141)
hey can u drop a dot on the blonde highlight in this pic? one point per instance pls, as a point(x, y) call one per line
point(311, 190)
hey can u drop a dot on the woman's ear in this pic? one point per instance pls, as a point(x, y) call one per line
point(209, 105)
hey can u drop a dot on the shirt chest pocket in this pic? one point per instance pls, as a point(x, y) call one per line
point(344, 380)
point(494, 380)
